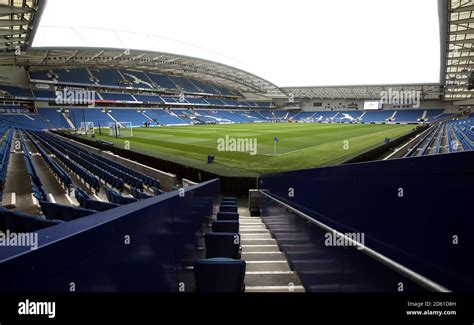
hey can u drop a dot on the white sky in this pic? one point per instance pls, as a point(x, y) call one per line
point(288, 42)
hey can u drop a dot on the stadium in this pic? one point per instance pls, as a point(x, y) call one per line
point(134, 163)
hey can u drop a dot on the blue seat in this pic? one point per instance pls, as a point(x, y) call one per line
point(228, 208)
point(20, 222)
point(222, 245)
point(54, 211)
point(139, 194)
point(219, 275)
point(225, 226)
point(158, 191)
point(99, 205)
point(117, 198)
point(228, 202)
point(230, 216)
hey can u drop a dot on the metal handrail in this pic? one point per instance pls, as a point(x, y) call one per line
point(403, 270)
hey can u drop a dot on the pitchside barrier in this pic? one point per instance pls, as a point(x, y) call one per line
point(413, 214)
point(147, 246)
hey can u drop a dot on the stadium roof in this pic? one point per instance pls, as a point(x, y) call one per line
point(16, 23)
point(459, 50)
point(22, 18)
point(288, 42)
point(361, 92)
point(205, 70)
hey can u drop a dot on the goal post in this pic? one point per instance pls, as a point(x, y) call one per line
point(86, 128)
point(121, 129)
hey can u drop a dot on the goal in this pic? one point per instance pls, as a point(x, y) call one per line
point(120, 129)
point(86, 128)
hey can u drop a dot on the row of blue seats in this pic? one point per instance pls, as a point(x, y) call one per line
point(222, 270)
point(147, 180)
point(458, 133)
point(74, 153)
point(24, 121)
point(54, 211)
point(139, 195)
point(129, 179)
point(117, 198)
point(128, 175)
point(85, 163)
point(36, 185)
point(114, 181)
point(5, 154)
point(439, 138)
point(429, 139)
point(51, 211)
point(126, 78)
point(87, 203)
point(457, 140)
point(463, 138)
point(415, 150)
point(53, 165)
point(89, 178)
point(19, 222)
point(464, 130)
point(451, 143)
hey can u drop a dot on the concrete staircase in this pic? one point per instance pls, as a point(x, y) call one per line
point(267, 267)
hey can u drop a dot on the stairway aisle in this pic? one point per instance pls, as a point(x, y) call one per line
point(267, 267)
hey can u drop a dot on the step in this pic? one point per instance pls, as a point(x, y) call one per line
point(287, 289)
point(277, 279)
point(277, 256)
point(253, 231)
point(252, 226)
point(258, 241)
point(267, 266)
point(260, 248)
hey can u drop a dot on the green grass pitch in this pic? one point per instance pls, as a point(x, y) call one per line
point(300, 145)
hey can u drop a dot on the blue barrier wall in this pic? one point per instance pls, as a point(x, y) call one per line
point(418, 229)
point(93, 253)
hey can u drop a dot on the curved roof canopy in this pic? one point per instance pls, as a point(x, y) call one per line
point(23, 25)
point(16, 23)
point(38, 58)
point(460, 50)
point(288, 42)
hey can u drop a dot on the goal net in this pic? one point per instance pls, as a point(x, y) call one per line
point(120, 129)
point(86, 128)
